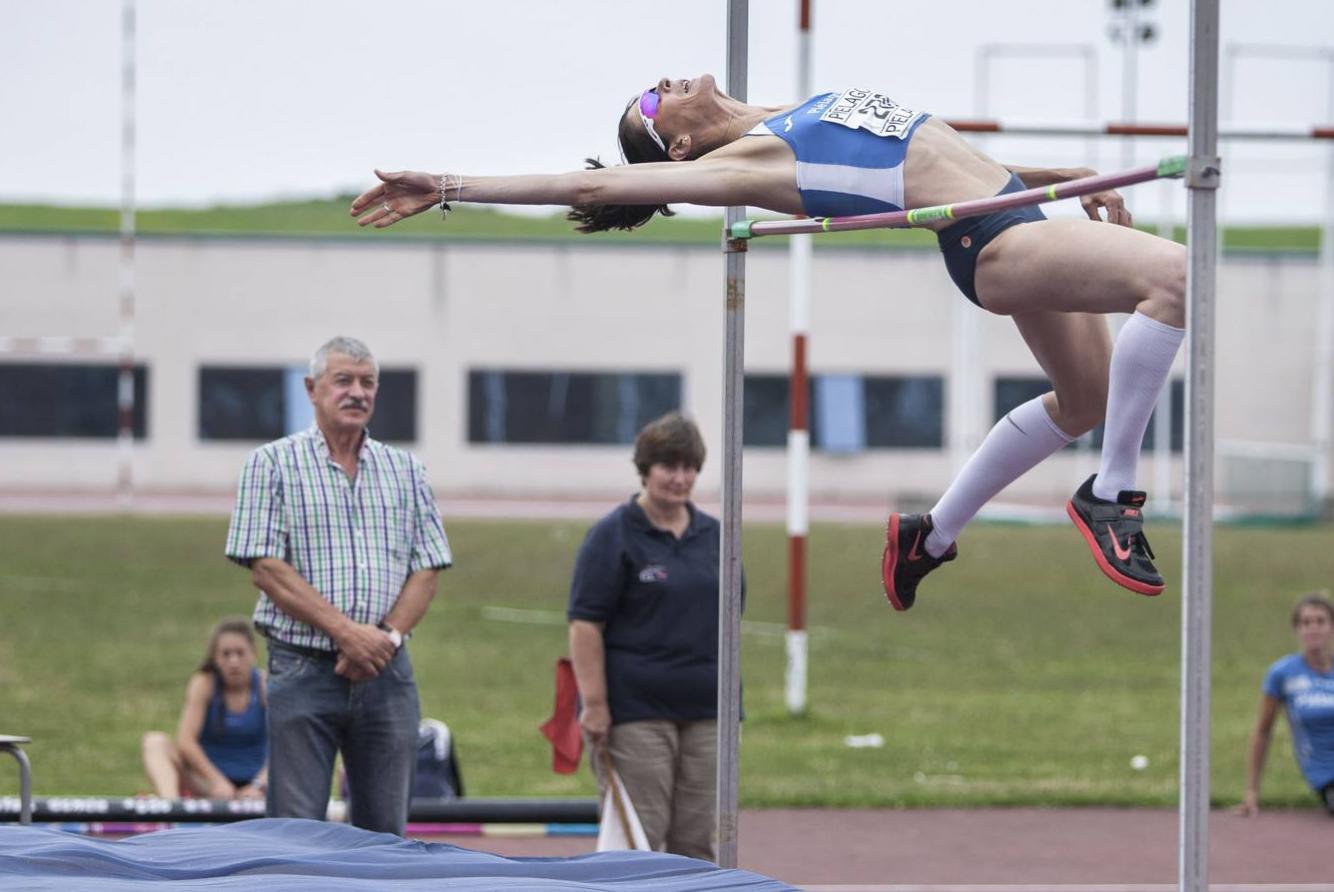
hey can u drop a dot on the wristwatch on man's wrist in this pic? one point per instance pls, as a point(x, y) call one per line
point(395, 636)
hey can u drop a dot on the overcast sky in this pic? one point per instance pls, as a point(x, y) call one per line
point(256, 99)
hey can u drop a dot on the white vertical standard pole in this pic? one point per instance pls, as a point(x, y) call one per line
point(729, 600)
point(125, 381)
point(1202, 176)
point(798, 435)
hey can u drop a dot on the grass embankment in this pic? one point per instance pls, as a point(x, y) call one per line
point(329, 218)
point(1022, 676)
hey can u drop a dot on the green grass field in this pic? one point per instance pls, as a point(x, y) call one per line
point(1022, 676)
point(329, 218)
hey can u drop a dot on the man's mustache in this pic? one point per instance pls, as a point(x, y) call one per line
point(355, 404)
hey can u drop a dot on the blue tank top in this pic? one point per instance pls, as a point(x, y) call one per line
point(236, 742)
point(850, 148)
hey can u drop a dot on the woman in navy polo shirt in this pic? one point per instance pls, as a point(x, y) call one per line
point(644, 641)
point(221, 740)
point(1303, 684)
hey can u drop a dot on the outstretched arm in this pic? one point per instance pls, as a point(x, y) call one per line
point(1255, 758)
point(712, 182)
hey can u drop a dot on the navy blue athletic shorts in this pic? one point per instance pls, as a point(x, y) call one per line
point(963, 241)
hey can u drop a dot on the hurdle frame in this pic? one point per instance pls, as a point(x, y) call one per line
point(1202, 173)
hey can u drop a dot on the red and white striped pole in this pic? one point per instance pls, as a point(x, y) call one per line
point(798, 435)
point(125, 388)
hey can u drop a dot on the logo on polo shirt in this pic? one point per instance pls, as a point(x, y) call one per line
point(653, 573)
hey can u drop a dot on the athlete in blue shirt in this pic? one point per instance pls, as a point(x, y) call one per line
point(1303, 684)
point(859, 151)
point(221, 743)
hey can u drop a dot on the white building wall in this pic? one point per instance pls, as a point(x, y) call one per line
point(446, 308)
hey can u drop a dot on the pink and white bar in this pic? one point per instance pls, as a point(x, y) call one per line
point(1040, 128)
point(1168, 167)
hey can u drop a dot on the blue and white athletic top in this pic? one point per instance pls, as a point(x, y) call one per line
point(850, 148)
point(1308, 698)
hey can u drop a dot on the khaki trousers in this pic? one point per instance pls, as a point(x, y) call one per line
point(670, 773)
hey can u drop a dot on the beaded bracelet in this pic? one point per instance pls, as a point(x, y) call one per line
point(458, 193)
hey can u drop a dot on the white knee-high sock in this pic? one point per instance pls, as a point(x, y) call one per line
point(1141, 361)
point(1019, 441)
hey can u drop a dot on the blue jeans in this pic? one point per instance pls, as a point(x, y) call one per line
point(314, 713)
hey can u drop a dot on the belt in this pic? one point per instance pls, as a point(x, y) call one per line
point(313, 653)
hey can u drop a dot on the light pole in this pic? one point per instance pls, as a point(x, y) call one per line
point(1130, 30)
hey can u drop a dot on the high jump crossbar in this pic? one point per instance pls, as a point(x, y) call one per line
point(1115, 128)
point(1174, 166)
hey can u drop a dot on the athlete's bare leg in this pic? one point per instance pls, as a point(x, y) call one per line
point(1079, 266)
point(1085, 267)
point(1075, 351)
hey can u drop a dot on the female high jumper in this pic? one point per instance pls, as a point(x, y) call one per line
point(858, 152)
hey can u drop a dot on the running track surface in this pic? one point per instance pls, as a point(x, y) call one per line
point(1007, 850)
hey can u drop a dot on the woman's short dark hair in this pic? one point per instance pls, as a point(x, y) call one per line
point(637, 147)
point(670, 440)
point(1318, 600)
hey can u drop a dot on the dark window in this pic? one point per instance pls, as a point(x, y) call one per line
point(766, 413)
point(263, 403)
point(68, 400)
point(395, 418)
point(1011, 392)
point(566, 407)
point(890, 412)
point(905, 413)
point(241, 404)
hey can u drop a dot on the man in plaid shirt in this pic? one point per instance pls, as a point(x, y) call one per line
point(343, 539)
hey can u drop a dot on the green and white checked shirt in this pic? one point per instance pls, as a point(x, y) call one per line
point(355, 542)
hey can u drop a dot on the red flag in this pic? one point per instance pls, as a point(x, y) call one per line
point(562, 729)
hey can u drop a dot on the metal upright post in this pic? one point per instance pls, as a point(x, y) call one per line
point(729, 601)
point(1202, 176)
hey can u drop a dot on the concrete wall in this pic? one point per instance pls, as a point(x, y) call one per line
point(446, 308)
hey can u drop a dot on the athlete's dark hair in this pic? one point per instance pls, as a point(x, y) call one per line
point(231, 625)
point(638, 147)
point(669, 440)
point(1319, 600)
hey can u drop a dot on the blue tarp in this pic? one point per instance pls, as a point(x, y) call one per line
point(282, 854)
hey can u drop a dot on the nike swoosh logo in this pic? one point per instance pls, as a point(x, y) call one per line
point(913, 553)
point(1122, 554)
point(787, 125)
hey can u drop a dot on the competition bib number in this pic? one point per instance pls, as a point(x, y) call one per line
point(864, 110)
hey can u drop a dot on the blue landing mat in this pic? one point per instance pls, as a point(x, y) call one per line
point(284, 855)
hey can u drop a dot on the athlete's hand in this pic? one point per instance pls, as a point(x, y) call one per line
point(250, 791)
point(398, 196)
point(1250, 805)
point(1108, 200)
point(222, 789)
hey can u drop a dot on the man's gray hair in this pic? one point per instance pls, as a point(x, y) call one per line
point(350, 347)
